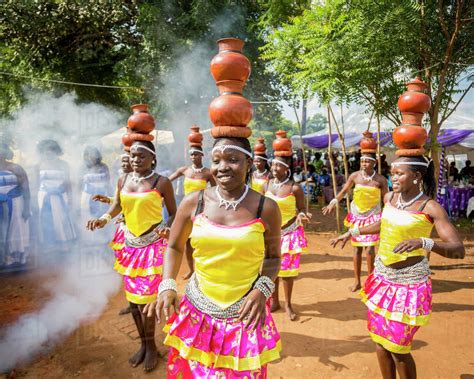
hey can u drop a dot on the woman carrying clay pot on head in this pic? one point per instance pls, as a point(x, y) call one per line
point(140, 197)
point(290, 199)
point(262, 173)
point(196, 178)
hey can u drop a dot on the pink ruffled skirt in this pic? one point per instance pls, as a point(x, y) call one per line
point(140, 268)
point(293, 244)
point(395, 311)
point(204, 347)
point(352, 220)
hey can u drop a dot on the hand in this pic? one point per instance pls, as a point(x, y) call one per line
point(101, 198)
point(163, 231)
point(167, 303)
point(95, 223)
point(408, 245)
point(342, 238)
point(253, 309)
point(328, 208)
point(303, 217)
point(26, 214)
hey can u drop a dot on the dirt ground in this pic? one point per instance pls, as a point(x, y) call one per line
point(329, 339)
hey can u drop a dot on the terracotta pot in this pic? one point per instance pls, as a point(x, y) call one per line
point(195, 137)
point(409, 137)
point(230, 109)
point(412, 118)
point(141, 121)
point(415, 100)
point(259, 148)
point(126, 140)
point(230, 87)
point(230, 63)
point(231, 131)
point(368, 143)
point(281, 145)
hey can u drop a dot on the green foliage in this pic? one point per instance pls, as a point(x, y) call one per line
point(316, 123)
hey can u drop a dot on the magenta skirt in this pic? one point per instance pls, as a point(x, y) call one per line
point(395, 311)
point(352, 220)
point(140, 268)
point(204, 347)
point(293, 244)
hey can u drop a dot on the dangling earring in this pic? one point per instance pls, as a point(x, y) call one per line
point(415, 181)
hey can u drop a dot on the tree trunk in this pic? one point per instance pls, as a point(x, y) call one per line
point(333, 175)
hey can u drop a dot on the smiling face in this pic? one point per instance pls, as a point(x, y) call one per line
point(279, 170)
point(141, 160)
point(403, 177)
point(230, 167)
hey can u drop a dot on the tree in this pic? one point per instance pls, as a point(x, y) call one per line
point(316, 123)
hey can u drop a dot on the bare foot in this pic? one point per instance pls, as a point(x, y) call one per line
point(275, 306)
point(125, 311)
point(138, 357)
point(188, 275)
point(290, 312)
point(355, 287)
point(151, 358)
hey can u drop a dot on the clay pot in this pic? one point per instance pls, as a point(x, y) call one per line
point(409, 137)
point(259, 148)
point(231, 131)
point(195, 138)
point(228, 87)
point(231, 108)
point(230, 63)
point(368, 143)
point(141, 121)
point(414, 100)
point(282, 146)
point(126, 140)
point(412, 118)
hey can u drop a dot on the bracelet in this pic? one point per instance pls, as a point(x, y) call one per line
point(167, 285)
point(333, 201)
point(355, 232)
point(106, 217)
point(427, 243)
point(302, 214)
point(265, 285)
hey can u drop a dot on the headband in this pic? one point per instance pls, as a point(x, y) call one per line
point(260, 157)
point(193, 150)
point(136, 147)
point(366, 157)
point(281, 162)
point(222, 148)
point(425, 164)
point(124, 155)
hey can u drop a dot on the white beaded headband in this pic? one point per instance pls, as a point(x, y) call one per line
point(125, 155)
point(280, 162)
point(425, 164)
point(366, 157)
point(260, 157)
point(192, 150)
point(222, 148)
point(136, 147)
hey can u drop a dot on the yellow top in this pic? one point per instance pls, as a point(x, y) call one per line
point(287, 205)
point(258, 184)
point(227, 259)
point(193, 185)
point(366, 198)
point(141, 210)
point(397, 226)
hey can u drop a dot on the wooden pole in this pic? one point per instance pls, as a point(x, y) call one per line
point(334, 187)
point(306, 201)
point(379, 159)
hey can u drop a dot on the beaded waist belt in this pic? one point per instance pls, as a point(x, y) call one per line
point(141, 241)
point(418, 273)
point(356, 212)
point(290, 228)
point(207, 306)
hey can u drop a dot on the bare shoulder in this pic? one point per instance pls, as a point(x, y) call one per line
point(434, 209)
point(387, 197)
point(296, 188)
point(381, 179)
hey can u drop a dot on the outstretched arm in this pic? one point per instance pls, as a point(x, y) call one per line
point(347, 187)
point(175, 175)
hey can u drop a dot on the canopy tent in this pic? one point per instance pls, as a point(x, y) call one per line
point(162, 137)
point(454, 140)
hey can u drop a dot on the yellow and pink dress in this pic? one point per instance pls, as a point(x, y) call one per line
point(192, 185)
point(206, 339)
point(259, 184)
point(293, 238)
point(365, 209)
point(398, 300)
point(139, 254)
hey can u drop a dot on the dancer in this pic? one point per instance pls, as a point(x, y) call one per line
point(54, 196)
point(398, 292)
point(369, 190)
point(196, 178)
point(139, 197)
point(262, 173)
point(290, 199)
point(14, 212)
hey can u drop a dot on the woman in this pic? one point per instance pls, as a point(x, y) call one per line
point(223, 326)
point(261, 175)
point(369, 190)
point(14, 212)
point(398, 292)
point(139, 197)
point(54, 196)
point(290, 199)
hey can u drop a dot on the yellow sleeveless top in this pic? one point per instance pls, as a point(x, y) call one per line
point(258, 184)
point(366, 198)
point(398, 225)
point(193, 185)
point(227, 259)
point(141, 210)
point(287, 205)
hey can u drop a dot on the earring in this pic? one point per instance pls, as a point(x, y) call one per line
point(415, 181)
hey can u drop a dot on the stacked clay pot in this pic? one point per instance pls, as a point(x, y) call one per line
point(413, 104)
point(368, 145)
point(230, 112)
point(282, 146)
point(195, 137)
point(259, 149)
point(139, 126)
